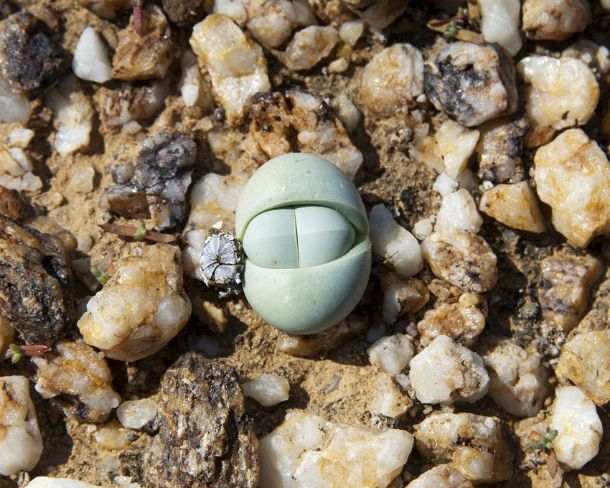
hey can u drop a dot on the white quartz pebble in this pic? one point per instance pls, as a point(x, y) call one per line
point(585, 361)
point(135, 414)
point(517, 379)
point(391, 353)
point(306, 451)
point(141, 307)
point(401, 296)
point(20, 439)
point(500, 23)
point(73, 117)
point(579, 429)
point(309, 46)
point(445, 372)
point(443, 476)
point(388, 400)
point(560, 92)
point(444, 184)
point(44, 482)
point(351, 31)
point(15, 107)
point(82, 374)
point(82, 180)
point(91, 61)
point(20, 137)
point(393, 79)
point(237, 66)
point(572, 176)
point(394, 243)
point(514, 205)
point(457, 144)
point(553, 20)
point(193, 88)
point(458, 212)
point(346, 111)
point(474, 444)
point(232, 8)
point(268, 389)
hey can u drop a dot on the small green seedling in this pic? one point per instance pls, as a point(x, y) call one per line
point(99, 275)
point(16, 352)
point(545, 443)
point(141, 232)
point(305, 233)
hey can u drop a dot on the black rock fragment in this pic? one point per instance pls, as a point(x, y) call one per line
point(184, 13)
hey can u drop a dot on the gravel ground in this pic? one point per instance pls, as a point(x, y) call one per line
point(338, 384)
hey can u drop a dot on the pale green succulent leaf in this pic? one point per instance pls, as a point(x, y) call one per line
point(323, 235)
point(271, 240)
point(299, 179)
point(309, 300)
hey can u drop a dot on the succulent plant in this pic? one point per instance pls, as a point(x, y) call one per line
point(305, 234)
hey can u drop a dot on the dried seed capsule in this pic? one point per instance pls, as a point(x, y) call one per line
point(221, 262)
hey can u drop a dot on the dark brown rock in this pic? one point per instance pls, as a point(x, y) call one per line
point(156, 186)
point(35, 283)
point(13, 205)
point(205, 437)
point(184, 13)
point(30, 59)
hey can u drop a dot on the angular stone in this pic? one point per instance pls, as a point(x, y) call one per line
point(205, 440)
point(475, 444)
point(567, 281)
point(471, 82)
point(585, 361)
point(306, 451)
point(36, 283)
point(147, 54)
point(572, 175)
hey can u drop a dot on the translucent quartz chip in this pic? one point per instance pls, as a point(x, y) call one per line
point(298, 237)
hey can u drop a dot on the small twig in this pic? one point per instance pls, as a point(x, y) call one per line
point(138, 17)
point(139, 233)
point(551, 464)
point(17, 352)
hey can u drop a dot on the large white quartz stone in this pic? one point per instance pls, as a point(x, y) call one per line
point(306, 451)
